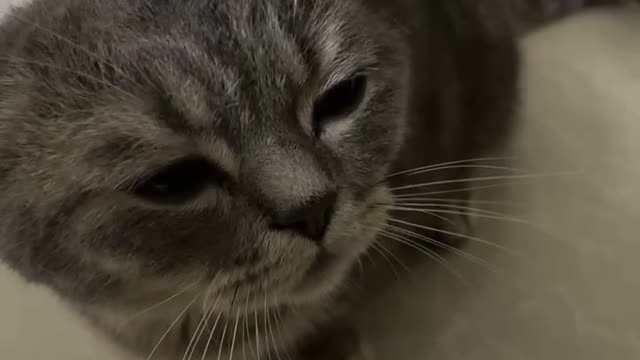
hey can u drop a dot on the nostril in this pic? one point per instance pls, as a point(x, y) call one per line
point(312, 219)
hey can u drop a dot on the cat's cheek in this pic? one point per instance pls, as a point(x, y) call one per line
point(357, 224)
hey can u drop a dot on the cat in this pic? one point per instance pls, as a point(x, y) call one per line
point(197, 178)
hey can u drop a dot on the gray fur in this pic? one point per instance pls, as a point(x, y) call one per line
point(95, 95)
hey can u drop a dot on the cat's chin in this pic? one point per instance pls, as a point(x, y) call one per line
point(326, 274)
point(322, 280)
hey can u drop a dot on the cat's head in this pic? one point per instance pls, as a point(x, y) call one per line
point(230, 148)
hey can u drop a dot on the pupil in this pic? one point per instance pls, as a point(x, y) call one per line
point(161, 187)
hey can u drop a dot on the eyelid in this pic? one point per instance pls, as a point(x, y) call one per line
point(186, 179)
point(158, 168)
point(366, 71)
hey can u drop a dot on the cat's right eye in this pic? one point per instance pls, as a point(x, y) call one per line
point(339, 101)
point(179, 182)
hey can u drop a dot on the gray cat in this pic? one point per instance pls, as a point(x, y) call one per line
point(199, 177)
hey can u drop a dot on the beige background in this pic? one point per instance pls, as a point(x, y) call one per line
point(570, 291)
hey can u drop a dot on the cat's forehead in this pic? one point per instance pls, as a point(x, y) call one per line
point(267, 38)
point(211, 55)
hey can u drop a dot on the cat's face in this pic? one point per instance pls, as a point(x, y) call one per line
point(236, 145)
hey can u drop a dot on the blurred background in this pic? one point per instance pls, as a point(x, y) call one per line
point(566, 287)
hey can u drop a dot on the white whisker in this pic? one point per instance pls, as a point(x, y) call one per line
point(433, 166)
point(163, 302)
point(273, 338)
point(235, 332)
point(470, 167)
point(213, 331)
point(257, 331)
point(425, 251)
point(278, 320)
point(481, 178)
point(245, 327)
point(208, 314)
point(440, 206)
point(375, 247)
point(434, 242)
point(463, 213)
point(224, 337)
point(460, 190)
point(173, 324)
point(195, 335)
point(462, 236)
point(434, 214)
point(265, 327)
point(411, 198)
point(207, 293)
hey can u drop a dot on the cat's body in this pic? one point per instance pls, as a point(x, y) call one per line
point(160, 159)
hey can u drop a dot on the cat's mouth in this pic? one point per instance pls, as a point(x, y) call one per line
point(319, 273)
point(332, 263)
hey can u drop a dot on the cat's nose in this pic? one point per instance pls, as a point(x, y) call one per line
point(312, 219)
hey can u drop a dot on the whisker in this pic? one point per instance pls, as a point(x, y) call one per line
point(273, 338)
point(375, 247)
point(224, 337)
point(425, 251)
point(208, 314)
point(195, 335)
point(430, 207)
point(257, 331)
point(369, 257)
point(213, 331)
point(433, 166)
point(410, 198)
point(470, 167)
point(163, 302)
point(173, 324)
point(462, 210)
point(465, 213)
point(434, 215)
point(434, 242)
point(266, 309)
point(235, 332)
point(463, 189)
point(245, 330)
point(208, 291)
point(462, 236)
point(278, 320)
point(480, 178)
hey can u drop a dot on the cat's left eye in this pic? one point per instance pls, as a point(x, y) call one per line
point(339, 101)
point(179, 182)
